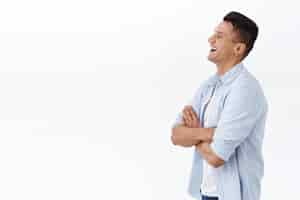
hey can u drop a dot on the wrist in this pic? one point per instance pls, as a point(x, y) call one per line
point(205, 134)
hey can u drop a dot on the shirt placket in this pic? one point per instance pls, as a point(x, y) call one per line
point(206, 104)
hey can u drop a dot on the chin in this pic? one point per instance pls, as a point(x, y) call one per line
point(211, 59)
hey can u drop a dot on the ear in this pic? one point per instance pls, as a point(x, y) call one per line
point(240, 49)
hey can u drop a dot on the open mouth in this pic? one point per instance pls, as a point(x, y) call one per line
point(213, 49)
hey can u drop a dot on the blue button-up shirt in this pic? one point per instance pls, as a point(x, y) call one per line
point(238, 112)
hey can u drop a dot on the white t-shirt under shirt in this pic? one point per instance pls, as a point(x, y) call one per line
point(210, 173)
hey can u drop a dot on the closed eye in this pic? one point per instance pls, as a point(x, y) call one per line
point(219, 36)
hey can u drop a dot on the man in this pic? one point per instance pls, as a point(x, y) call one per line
point(225, 121)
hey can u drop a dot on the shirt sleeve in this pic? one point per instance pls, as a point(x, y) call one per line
point(195, 102)
point(242, 108)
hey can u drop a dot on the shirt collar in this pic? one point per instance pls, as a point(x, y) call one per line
point(229, 76)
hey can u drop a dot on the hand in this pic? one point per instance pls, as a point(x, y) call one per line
point(190, 118)
point(201, 145)
point(210, 131)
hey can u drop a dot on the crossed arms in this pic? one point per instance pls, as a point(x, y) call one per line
point(243, 108)
point(191, 133)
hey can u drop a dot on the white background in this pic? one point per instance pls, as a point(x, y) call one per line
point(89, 91)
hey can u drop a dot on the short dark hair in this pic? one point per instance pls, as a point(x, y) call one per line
point(246, 28)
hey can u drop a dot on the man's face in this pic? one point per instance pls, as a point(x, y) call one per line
point(222, 43)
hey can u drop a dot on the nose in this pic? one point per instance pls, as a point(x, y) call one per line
point(211, 39)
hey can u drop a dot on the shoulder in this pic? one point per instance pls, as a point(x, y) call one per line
point(206, 84)
point(247, 88)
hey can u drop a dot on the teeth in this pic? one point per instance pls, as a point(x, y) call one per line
point(213, 49)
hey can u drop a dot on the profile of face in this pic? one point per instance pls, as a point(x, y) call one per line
point(225, 45)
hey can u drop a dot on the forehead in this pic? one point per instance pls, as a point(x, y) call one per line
point(224, 27)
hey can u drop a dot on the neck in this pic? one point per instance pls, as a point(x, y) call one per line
point(222, 68)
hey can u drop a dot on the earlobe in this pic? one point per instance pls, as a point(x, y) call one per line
point(243, 48)
point(239, 49)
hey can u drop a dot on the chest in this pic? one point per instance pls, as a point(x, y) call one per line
point(212, 105)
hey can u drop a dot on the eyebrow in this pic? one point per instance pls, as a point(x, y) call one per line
point(219, 32)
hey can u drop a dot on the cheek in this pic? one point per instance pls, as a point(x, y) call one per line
point(227, 48)
point(221, 45)
point(222, 48)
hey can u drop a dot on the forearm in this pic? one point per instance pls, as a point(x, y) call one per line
point(208, 154)
point(204, 149)
point(185, 136)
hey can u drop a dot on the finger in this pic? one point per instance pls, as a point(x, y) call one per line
point(187, 115)
point(184, 118)
point(184, 121)
point(195, 120)
point(192, 119)
point(187, 118)
point(194, 114)
point(191, 109)
point(190, 114)
point(186, 108)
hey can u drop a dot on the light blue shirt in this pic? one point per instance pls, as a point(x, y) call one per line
point(239, 116)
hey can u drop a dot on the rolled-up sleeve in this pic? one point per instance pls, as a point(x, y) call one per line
point(242, 108)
